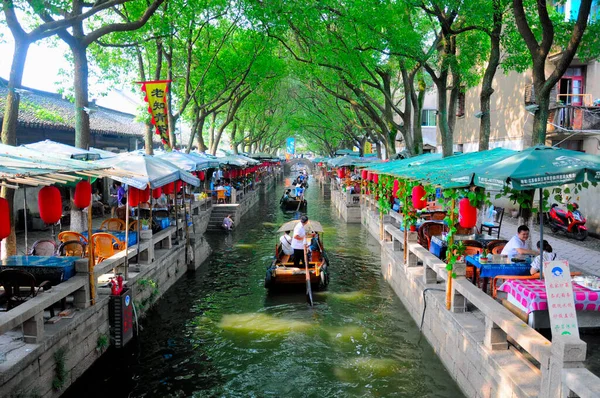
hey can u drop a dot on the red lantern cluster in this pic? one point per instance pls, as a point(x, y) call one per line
point(4, 219)
point(83, 194)
point(50, 205)
point(467, 214)
point(133, 197)
point(419, 200)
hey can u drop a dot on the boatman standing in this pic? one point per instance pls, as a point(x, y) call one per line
point(299, 241)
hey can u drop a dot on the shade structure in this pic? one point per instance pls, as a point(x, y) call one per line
point(213, 162)
point(539, 167)
point(310, 227)
point(151, 171)
point(185, 161)
point(346, 152)
point(263, 156)
point(394, 165)
point(232, 160)
point(252, 162)
point(56, 149)
point(102, 153)
point(350, 161)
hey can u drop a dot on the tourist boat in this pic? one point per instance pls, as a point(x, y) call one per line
point(293, 203)
point(285, 275)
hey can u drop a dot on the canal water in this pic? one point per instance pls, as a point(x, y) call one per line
point(217, 333)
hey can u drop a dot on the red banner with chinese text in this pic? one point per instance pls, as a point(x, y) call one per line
point(156, 97)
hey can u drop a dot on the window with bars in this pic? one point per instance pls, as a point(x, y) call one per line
point(428, 117)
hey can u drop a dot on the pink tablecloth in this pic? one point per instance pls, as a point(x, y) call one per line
point(531, 293)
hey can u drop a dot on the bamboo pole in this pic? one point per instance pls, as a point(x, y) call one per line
point(91, 256)
point(127, 238)
point(450, 243)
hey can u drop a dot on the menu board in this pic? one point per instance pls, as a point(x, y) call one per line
point(561, 301)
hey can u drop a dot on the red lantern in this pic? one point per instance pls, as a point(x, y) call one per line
point(157, 193)
point(145, 195)
point(178, 186)
point(50, 205)
point(419, 200)
point(395, 188)
point(375, 178)
point(201, 175)
point(467, 214)
point(83, 194)
point(4, 219)
point(363, 174)
point(133, 196)
point(340, 173)
point(226, 174)
point(369, 176)
point(169, 188)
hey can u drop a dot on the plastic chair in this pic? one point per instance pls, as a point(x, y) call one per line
point(44, 247)
point(73, 248)
point(106, 245)
point(496, 224)
point(221, 196)
point(12, 280)
point(67, 236)
point(113, 224)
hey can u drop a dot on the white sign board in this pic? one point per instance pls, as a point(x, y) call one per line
point(561, 300)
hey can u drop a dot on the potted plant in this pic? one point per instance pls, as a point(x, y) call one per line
point(145, 223)
point(483, 259)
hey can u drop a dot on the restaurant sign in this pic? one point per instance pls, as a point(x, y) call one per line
point(561, 301)
point(156, 97)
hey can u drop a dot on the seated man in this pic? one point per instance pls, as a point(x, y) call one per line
point(518, 244)
point(286, 196)
point(228, 223)
point(286, 247)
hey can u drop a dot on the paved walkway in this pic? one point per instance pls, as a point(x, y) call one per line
point(580, 258)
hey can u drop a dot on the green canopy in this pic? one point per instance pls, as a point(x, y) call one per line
point(539, 167)
point(345, 161)
point(343, 152)
point(394, 165)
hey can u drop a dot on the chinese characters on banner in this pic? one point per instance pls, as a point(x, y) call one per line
point(561, 302)
point(156, 97)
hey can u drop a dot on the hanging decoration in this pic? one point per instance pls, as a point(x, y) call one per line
point(178, 186)
point(156, 97)
point(50, 205)
point(363, 174)
point(201, 175)
point(340, 173)
point(467, 213)
point(418, 197)
point(4, 219)
point(375, 178)
point(157, 193)
point(395, 188)
point(83, 194)
point(169, 188)
point(145, 195)
point(133, 196)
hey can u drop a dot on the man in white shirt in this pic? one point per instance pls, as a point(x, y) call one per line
point(299, 241)
point(286, 246)
point(518, 244)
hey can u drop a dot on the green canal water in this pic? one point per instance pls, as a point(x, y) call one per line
point(217, 333)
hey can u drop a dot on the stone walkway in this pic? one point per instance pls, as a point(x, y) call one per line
point(580, 258)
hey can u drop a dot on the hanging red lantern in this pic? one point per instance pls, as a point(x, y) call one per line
point(340, 173)
point(369, 176)
point(157, 193)
point(363, 174)
point(169, 188)
point(201, 176)
point(467, 214)
point(419, 200)
point(83, 194)
point(375, 178)
point(145, 195)
point(133, 196)
point(178, 186)
point(395, 188)
point(226, 174)
point(4, 219)
point(50, 205)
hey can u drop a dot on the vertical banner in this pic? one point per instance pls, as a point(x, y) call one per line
point(368, 148)
point(561, 301)
point(290, 145)
point(156, 97)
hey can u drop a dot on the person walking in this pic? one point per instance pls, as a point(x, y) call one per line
point(298, 242)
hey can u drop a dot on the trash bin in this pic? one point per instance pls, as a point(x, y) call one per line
point(120, 315)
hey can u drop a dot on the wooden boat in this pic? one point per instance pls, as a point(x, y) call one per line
point(294, 204)
point(282, 275)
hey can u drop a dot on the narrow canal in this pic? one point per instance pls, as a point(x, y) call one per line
point(217, 333)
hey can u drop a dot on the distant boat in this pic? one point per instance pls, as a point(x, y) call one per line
point(284, 274)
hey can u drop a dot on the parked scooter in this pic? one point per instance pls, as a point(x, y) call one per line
point(572, 223)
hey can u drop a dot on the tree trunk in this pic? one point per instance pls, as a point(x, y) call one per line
point(442, 119)
point(82, 118)
point(540, 119)
point(417, 99)
point(148, 135)
point(211, 131)
point(200, 134)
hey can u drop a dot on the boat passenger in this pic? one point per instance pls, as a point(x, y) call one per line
point(228, 223)
point(286, 247)
point(536, 264)
point(299, 191)
point(298, 241)
point(518, 244)
point(286, 196)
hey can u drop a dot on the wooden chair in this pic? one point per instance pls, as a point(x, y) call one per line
point(496, 224)
point(106, 245)
point(496, 246)
point(429, 229)
point(12, 280)
point(472, 247)
point(113, 224)
point(72, 248)
point(43, 247)
point(133, 225)
point(518, 277)
point(438, 215)
point(221, 196)
point(463, 231)
point(67, 236)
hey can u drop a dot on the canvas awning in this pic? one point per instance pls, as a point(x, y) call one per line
point(56, 149)
point(310, 227)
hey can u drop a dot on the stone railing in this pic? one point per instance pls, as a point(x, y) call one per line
point(556, 365)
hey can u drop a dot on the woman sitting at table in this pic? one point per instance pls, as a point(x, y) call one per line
point(548, 256)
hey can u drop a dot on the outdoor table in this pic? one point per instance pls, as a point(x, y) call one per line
point(491, 270)
point(120, 235)
point(529, 295)
point(44, 268)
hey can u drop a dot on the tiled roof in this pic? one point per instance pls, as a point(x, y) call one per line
point(41, 109)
